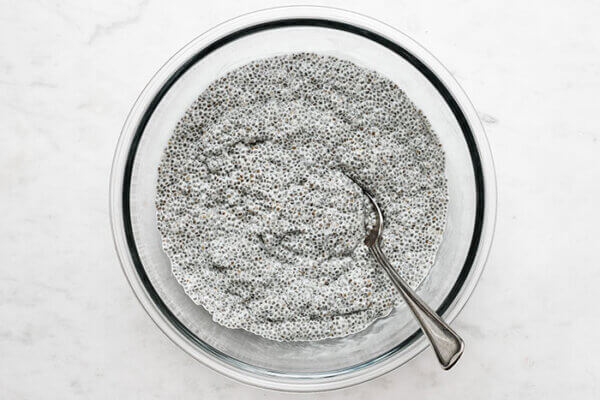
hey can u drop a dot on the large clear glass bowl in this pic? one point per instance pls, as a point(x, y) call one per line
point(301, 366)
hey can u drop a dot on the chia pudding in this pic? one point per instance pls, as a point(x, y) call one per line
point(257, 207)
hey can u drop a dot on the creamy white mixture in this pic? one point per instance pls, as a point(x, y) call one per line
point(258, 214)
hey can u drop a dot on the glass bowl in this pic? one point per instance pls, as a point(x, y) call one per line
point(332, 363)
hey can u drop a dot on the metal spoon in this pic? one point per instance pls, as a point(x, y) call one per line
point(447, 345)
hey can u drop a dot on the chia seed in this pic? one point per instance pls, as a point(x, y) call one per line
point(257, 210)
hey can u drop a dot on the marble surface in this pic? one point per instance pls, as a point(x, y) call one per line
point(70, 327)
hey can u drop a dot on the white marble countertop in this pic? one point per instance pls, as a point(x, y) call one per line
point(70, 327)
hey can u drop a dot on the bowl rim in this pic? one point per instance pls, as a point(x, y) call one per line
point(228, 31)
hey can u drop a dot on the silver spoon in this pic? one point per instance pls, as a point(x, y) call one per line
point(447, 345)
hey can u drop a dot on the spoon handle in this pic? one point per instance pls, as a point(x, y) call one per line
point(447, 345)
